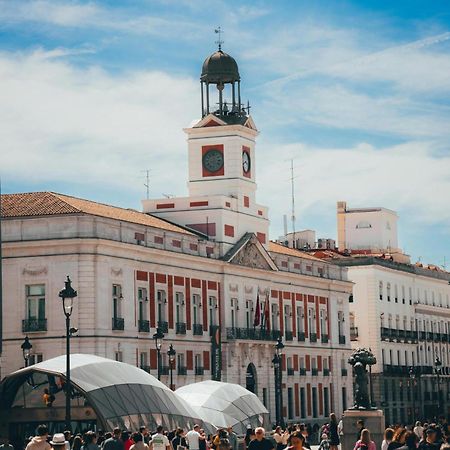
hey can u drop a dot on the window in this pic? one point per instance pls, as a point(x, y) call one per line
point(311, 320)
point(212, 310)
point(363, 224)
point(344, 398)
point(326, 402)
point(35, 301)
point(196, 309)
point(117, 298)
point(234, 310)
point(302, 402)
point(249, 313)
point(380, 290)
point(323, 322)
point(396, 293)
point(143, 358)
point(162, 301)
point(179, 307)
point(290, 403)
point(314, 402)
point(118, 356)
point(35, 358)
point(287, 318)
point(143, 300)
point(300, 319)
point(388, 287)
point(275, 314)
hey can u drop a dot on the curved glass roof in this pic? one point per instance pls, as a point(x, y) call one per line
point(225, 404)
point(121, 394)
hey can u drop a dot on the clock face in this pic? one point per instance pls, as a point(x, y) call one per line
point(246, 162)
point(213, 160)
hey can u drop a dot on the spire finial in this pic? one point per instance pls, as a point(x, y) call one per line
point(219, 42)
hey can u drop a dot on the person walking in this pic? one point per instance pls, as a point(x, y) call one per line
point(90, 441)
point(334, 433)
point(179, 440)
point(387, 438)
point(398, 440)
point(159, 440)
point(296, 441)
point(260, 443)
point(232, 437)
point(411, 441)
point(365, 443)
point(430, 442)
point(39, 442)
point(114, 442)
point(139, 443)
point(418, 429)
point(193, 438)
point(59, 442)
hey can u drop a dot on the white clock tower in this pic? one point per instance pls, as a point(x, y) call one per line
point(221, 146)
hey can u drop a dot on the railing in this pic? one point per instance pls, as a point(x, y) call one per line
point(302, 371)
point(288, 336)
point(199, 370)
point(163, 326)
point(301, 336)
point(290, 371)
point(344, 372)
point(314, 371)
point(146, 368)
point(324, 338)
point(354, 333)
point(312, 337)
point(341, 339)
point(29, 325)
point(180, 328)
point(118, 323)
point(182, 370)
point(253, 333)
point(197, 329)
point(144, 325)
point(326, 372)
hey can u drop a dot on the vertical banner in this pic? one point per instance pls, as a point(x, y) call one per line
point(216, 354)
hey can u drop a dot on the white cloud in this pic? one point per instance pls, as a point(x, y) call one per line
point(101, 129)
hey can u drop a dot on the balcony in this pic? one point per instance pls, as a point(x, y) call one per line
point(290, 371)
point(144, 326)
point(163, 326)
point(180, 328)
point(197, 329)
point(324, 338)
point(118, 323)
point(344, 372)
point(146, 368)
point(301, 336)
point(257, 334)
point(164, 370)
point(182, 370)
point(326, 372)
point(312, 337)
point(288, 336)
point(30, 325)
point(314, 371)
point(354, 333)
point(199, 370)
point(341, 339)
point(302, 371)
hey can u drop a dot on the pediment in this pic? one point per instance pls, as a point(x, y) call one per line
point(210, 121)
point(249, 252)
point(250, 124)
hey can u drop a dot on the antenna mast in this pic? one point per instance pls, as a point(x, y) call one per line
point(293, 205)
point(147, 182)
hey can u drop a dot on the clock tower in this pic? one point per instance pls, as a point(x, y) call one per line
point(221, 151)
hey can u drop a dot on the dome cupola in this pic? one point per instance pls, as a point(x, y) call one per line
point(220, 68)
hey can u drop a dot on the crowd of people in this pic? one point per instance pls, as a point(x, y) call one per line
point(426, 436)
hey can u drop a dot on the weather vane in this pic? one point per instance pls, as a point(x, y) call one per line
point(219, 42)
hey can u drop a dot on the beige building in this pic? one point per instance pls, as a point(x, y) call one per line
point(199, 268)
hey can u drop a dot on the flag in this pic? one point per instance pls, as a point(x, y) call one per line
point(267, 312)
point(257, 319)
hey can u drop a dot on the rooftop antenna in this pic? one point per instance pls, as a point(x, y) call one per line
point(293, 205)
point(168, 195)
point(147, 182)
point(219, 42)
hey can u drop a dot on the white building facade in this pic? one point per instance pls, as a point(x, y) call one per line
point(136, 273)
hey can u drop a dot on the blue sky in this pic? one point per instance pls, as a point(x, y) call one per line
point(358, 93)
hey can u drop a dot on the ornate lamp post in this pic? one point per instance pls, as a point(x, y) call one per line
point(26, 350)
point(171, 354)
point(278, 381)
point(67, 295)
point(437, 370)
point(158, 337)
point(412, 376)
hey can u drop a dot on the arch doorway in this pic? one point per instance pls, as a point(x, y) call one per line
point(251, 382)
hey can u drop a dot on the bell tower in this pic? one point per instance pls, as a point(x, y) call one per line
point(221, 154)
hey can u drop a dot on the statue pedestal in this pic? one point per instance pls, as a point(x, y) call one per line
point(373, 421)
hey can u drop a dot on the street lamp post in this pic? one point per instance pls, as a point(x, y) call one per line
point(171, 354)
point(437, 369)
point(158, 337)
point(412, 376)
point(67, 295)
point(26, 350)
point(278, 382)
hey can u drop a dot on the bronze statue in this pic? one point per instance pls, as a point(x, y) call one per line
point(361, 358)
